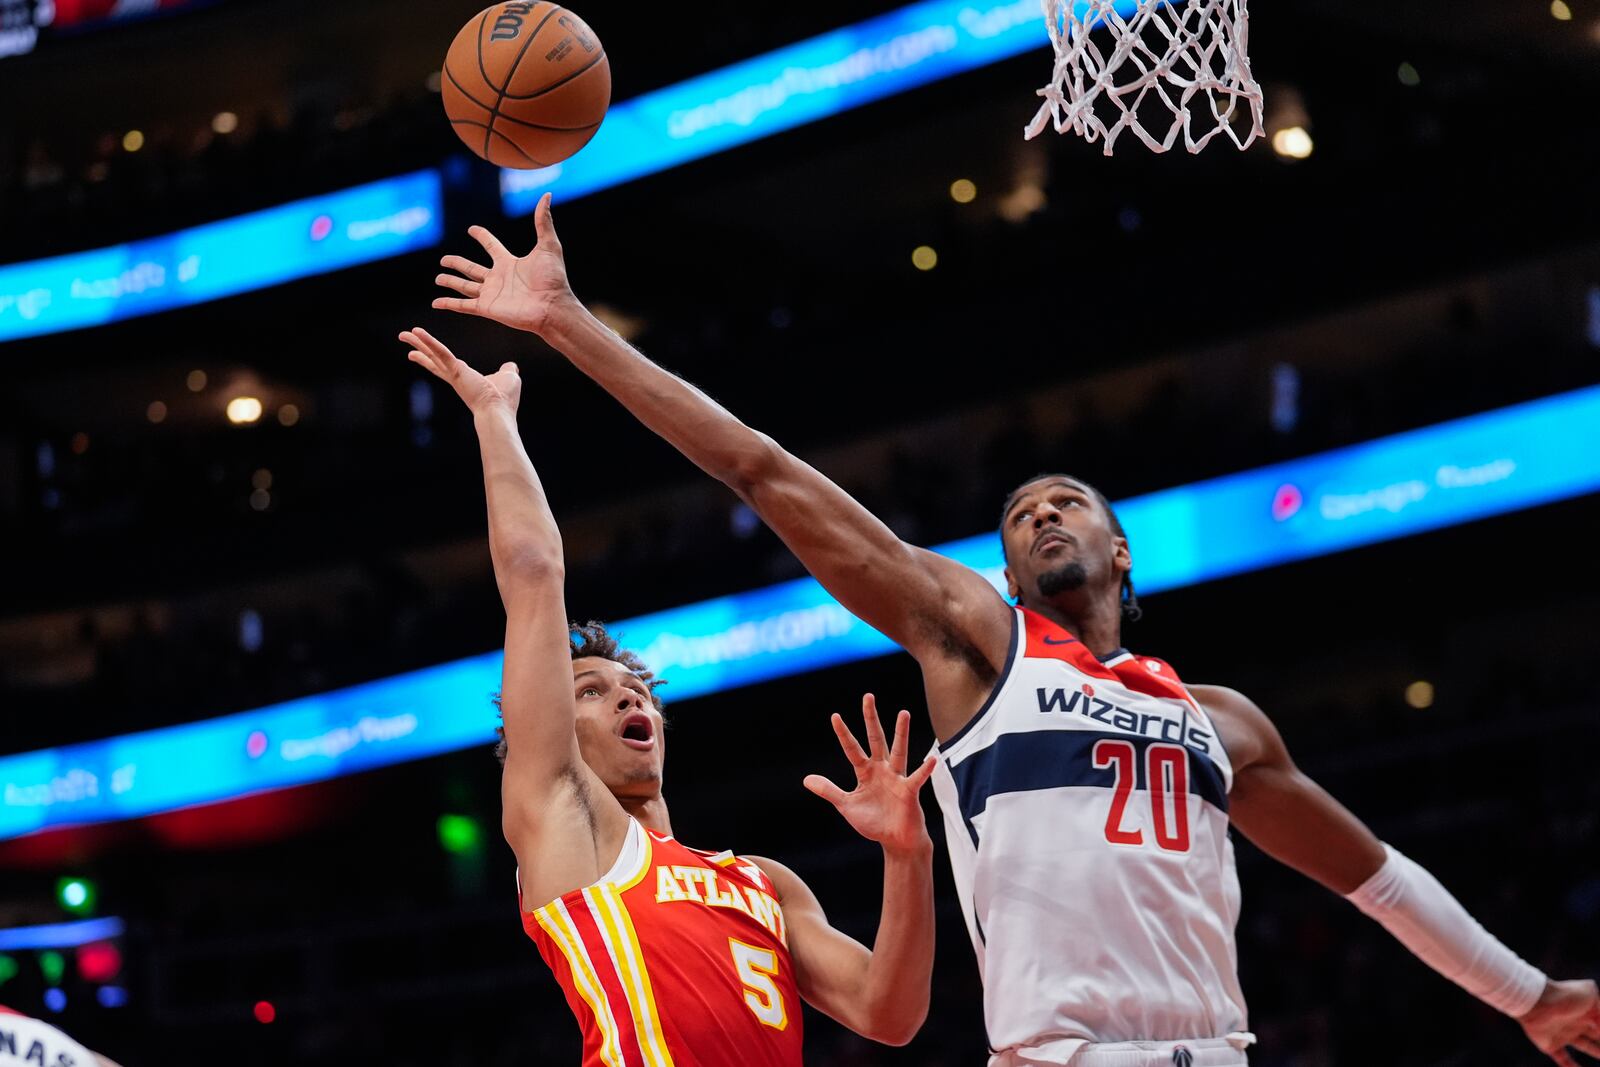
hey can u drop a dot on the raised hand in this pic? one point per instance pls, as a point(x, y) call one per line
point(481, 392)
point(883, 807)
point(520, 292)
point(1567, 1016)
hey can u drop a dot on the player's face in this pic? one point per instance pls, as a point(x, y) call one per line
point(619, 729)
point(1059, 540)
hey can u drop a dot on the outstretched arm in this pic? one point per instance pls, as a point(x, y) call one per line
point(1298, 823)
point(555, 815)
point(881, 993)
point(939, 611)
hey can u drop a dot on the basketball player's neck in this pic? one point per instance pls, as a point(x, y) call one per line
point(1097, 623)
point(650, 811)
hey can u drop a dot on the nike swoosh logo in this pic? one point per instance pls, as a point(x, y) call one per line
point(1052, 641)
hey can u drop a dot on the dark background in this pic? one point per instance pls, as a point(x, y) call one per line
point(1124, 319)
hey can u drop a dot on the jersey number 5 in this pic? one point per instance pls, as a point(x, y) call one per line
point(757, 967)
point(1166, 769)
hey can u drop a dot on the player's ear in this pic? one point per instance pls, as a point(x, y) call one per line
point(1121, 554)
point(1013, 590)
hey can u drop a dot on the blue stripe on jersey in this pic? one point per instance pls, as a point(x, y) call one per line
point(1050, 759)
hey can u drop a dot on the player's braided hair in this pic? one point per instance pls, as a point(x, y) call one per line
point(593, 639)
point(1131, 611)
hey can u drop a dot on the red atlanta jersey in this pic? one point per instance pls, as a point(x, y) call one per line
point(675, 958)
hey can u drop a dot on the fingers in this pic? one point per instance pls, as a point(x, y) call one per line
point(1562, 1057)
point(455, 303)
point(848, 742)
point(464, 286)
point(464, 266)
point(1588, 1046)
point(875, 740)
point(491, 244)
point(920, 776)
point(902, 742)
point(421, 360)
point(417, 337)
point(545, 226)
point(825, 789)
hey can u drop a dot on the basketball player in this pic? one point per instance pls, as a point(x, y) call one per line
point(668, 955)
point(26, 1040)
point(1087, 791)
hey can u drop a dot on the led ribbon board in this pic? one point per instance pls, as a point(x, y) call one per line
point(1502, 461)
point(264, 248)
point(790, 87)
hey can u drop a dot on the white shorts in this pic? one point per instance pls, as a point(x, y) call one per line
point(1200, 1052)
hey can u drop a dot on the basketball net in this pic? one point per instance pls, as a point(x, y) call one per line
point(1180, 64)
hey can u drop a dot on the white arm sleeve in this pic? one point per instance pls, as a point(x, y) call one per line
point(1423, 916)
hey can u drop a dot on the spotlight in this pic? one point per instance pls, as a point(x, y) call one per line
point(243, 410)
point(76, 895)
point(1293, 143)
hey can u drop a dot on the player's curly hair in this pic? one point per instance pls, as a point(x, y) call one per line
point(1131, 611)
point(593, 639)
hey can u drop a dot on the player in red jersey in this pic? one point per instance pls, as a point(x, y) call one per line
point(668, 955)
point(26, 1040)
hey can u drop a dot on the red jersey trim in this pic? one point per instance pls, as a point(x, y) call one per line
point(1046, 640)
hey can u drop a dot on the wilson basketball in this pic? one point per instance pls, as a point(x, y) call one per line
point(526, 84)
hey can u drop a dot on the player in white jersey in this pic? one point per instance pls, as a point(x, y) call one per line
point(1087, 792)
point(28, 1041)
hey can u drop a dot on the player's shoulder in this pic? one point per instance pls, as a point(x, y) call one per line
point(1246, 731)
point(1226, 701)
point(790, 889)
point(764, 874)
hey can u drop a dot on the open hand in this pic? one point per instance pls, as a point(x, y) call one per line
point(521, 292)
point(481, 392)
point(883, 807)
point(1567, 1015)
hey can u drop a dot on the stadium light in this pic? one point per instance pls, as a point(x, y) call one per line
point(76, 896)
point(460, 834)
point(243, 410)
point(1293, 143)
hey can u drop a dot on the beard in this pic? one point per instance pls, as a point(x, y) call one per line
point(1069, 576)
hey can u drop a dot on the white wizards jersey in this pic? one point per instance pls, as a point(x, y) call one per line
point(26, 1042)
point(1086, 812)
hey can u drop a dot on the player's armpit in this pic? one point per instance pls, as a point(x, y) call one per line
point(1281, 810)
point(833, 970)
point(560, 820)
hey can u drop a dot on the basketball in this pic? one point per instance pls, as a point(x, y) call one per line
point(526, 84)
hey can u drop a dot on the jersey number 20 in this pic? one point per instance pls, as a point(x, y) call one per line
point(1166, 771)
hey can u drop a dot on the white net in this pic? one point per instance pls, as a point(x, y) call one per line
point(1155, 67)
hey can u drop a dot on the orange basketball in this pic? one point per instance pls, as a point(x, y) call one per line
point(526, 84)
